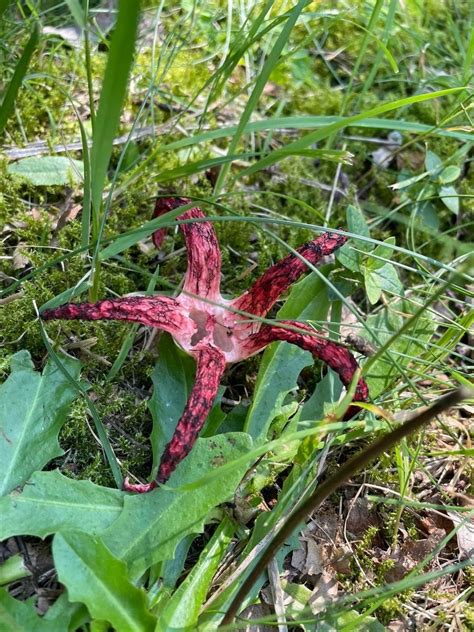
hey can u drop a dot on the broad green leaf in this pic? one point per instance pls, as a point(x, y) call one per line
point(382, 251)
point(388, 279)
point(112, 95)
point(432, 161)
point(33, 407)
point(282, 363)
point(327, 391)
point(405, 349)
point(13, 569)
point(172, 377)
point(449, 174)
point(50, 502)
point(21, 616)
point(355, 224)
point(151, 525)
point(48, 170)
point(450, 198)
point(94, 577)
point(63, 608)
point(372, 286)
point(183, 608)
point(171, 569)
point(8, 103)
point(427, 216)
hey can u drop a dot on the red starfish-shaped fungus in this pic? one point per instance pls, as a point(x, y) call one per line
point(207, 326)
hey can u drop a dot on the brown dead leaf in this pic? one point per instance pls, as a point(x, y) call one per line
point(257, 611)
point(325, 592)
point(20, 259)
point(313, 562)
point(324, 524)
point(70, 213)
point(271, 89)
point(409, 554)
point(35, 214)
point(465, 534)
point(11, 227)
point(341, 560)
point(360, 516)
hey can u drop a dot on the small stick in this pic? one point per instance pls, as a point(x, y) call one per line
point(353, 465)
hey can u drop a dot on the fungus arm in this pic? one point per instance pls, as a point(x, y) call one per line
point(155, 311)
point(270, 286)
point(204, 258)
point(210, 367)
point(335, 356)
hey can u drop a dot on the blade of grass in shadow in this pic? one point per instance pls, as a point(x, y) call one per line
point(392, 8)
point(99, 426)
point(363, 48)
point(268, 66)
point(8, 103)
point(114, 86)
point(86, 200)
point(3, 7)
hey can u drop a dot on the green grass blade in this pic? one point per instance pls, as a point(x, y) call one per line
point(319, 135)
point(363, 48)
point(309, 122)
point(77, 12)
point(122, 47)
point(263, 77)
point(378, 58)
point(3, 7)
point(8, 104)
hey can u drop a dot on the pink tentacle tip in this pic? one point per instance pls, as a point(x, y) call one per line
point(138, 488)
point(211, 329)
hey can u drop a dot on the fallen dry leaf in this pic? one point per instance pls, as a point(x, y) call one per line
point(20, 259)
point(325, 592)
point(465, 534)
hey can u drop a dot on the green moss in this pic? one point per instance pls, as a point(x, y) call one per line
point(393, 607)
point(128, 424)
point(11, 202)
point(42, 106)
